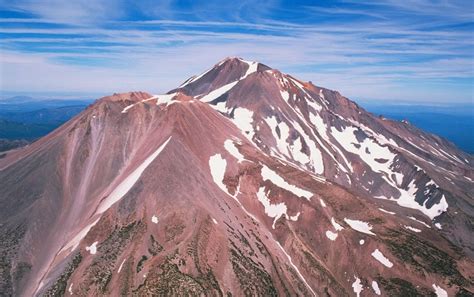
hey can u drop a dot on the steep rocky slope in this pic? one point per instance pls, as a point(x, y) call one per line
point(242, 181)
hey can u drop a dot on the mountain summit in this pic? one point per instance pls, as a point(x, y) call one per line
point(241, 181)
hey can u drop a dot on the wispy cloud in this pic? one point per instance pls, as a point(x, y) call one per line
point(385, 51)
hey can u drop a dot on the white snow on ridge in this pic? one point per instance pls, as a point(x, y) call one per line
point(252, 68)
point(195, 78)
point(218, 92)
point(440, 292)
point(275, 211)
point(225, 88)
point(323, 204)
point(129, 181)
point(125, 110)
point(322, 130)
point(331, 235)
point(412, 229)
point(407, 199)
point(232, 149)
point(243, 119)
point(357, 286)
point(268, 174)
point(92, 248)
point(217, 165)
point(70, 289)
point(376, 288)
point(73, 243)
point(285, 95)
point(290, 151)
point(296, 152)
point(315, 156)
point(166, 98)
point(359, 226)
point(281, 143)
point(314, 105)
point(421, 222)
point(336, 225)
point(381, 258)
point(121, 265)
point(296, 269)
point(386, 211)
point(370, 151)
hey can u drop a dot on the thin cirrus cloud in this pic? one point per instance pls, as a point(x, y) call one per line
point(418, 51)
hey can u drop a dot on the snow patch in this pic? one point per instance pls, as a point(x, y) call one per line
point(218, 92)
point(73, 243)
point(296, 269)
point(361, 242)
point(70, 289)
point(376, 288)
point(359, 226)
point(232, 149)
point(268, 174)
point(357, 286)
point(243, 119)
point(275, 211)
point(92, 249)
point(295, 217)
point(214, 221)
point(386, 211)
point(323, 204)
point(217, 164)
point(440, 292)
point(121, 265)
point(370, 152)
point(412, 229)
point(381, 258)
point(154, 219)
point(315, 155)
point(331, 235)
point(285, 95)
point(194, 78)
point(438, 225)
point(336, 225)
point(281, 138)
point(129, 181)
point(421, 222)
point(166, 98)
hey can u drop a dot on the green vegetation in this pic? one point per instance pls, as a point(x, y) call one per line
point(423, 255)
point(397, 287)
point(59, 287)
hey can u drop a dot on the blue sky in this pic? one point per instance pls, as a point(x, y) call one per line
point(387, 50)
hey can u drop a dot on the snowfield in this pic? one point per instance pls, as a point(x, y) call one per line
point(360, 226)
point(268, 174)
point(381, 258)
point(129, 181)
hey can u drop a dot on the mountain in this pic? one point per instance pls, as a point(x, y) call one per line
point(25, 119)
point(54, 116)
point(453, 122)
point(17, 105)
point(241, 181)
point(6, 144)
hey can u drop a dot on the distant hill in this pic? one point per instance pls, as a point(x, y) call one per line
point(57, 115)
point(14, 130)
point(26, 118)
point(6, 144)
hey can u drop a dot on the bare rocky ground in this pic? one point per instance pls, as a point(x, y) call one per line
point(242, 181)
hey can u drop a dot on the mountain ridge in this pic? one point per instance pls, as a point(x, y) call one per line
point(241, 180)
